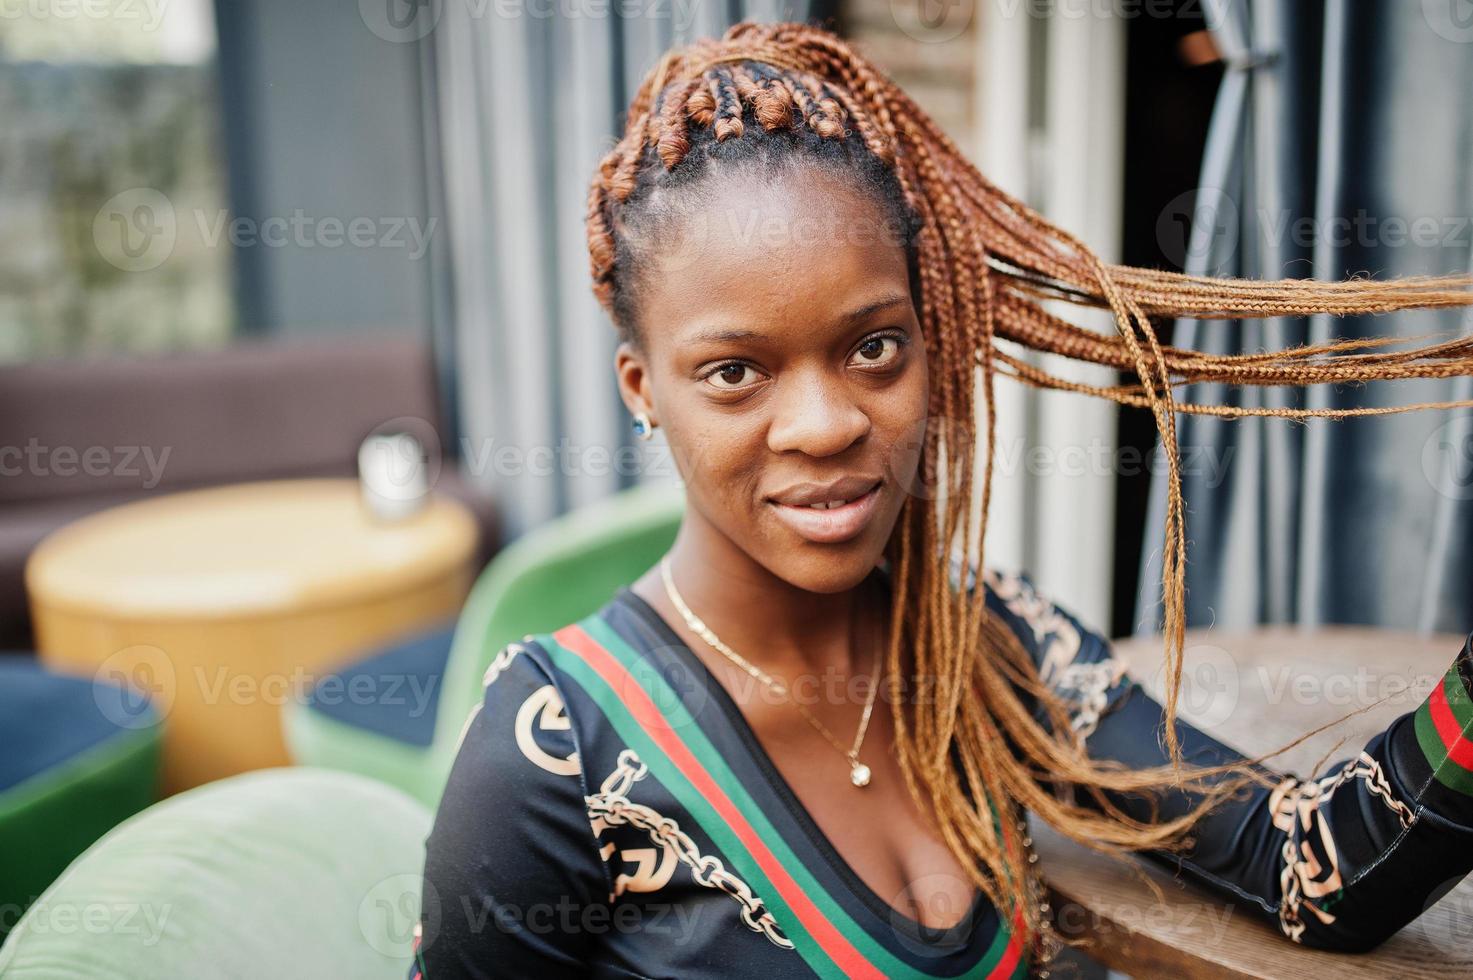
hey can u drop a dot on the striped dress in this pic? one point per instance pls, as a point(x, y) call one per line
point(611, 814)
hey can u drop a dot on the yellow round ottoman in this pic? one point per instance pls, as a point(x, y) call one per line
point(224, 604)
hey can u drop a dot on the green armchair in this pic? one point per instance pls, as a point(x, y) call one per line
point(551, 576)
point(280, 872)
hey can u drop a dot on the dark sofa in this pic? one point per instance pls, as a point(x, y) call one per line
point(77, 436)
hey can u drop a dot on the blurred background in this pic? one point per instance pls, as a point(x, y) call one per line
point(306, 406)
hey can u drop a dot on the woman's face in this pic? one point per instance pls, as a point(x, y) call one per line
point(783, 360)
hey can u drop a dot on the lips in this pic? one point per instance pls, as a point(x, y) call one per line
point(829, 514)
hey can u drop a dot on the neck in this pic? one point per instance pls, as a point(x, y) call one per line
point(769, 621)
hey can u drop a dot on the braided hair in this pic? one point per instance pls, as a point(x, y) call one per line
point(769, 97)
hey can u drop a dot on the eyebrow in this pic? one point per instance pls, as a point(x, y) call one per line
point(735, 335)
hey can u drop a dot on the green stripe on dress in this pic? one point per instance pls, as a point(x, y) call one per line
point(1457, 697)
point(694, 737)
point(1444, 770)
point(684, 726)
point(664, 769)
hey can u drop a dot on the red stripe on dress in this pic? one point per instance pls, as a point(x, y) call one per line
point(650, 718)
point(1459, 749)
point(1010, 956)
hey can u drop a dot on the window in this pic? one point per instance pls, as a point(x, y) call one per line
point(112, 184)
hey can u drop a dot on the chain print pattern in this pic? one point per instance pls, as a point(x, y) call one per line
point(1061, 643)
point(1093, 682)
point(1043, 618)
point(1306, 875)
point(500, 662)
point(612, 805)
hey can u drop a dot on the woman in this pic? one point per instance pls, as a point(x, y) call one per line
point(802, 744)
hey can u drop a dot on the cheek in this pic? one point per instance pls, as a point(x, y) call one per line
point(902, 423)
point(717, 455)
point(907, 400)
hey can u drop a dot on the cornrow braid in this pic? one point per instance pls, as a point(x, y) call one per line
point(983, 265)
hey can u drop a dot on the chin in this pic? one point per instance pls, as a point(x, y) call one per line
point(827, 568)
point(831, 551)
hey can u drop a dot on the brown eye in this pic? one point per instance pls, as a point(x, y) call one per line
point(731, 376)
point(877, 351)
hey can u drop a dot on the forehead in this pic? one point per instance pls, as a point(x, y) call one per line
point(771, 250)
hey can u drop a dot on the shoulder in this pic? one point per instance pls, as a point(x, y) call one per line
point(546, 696)
point(521, 753)
point(522, 717)
point(511, 832)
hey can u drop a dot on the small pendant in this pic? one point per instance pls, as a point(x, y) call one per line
point(859, 774)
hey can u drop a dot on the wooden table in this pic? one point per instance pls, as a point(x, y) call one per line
point(1257, 691)
point(225, 603)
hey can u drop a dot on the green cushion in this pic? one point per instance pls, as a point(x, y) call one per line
point(279, 872)
point(387, 739)
point(321, 740)
point(50, 819)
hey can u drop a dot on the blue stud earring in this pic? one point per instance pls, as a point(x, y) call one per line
point(643, 427)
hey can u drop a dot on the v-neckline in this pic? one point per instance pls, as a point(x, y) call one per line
point(952, 940)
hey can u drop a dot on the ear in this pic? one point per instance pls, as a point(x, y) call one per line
point(633, 373)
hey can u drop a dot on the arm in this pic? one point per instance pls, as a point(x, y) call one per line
point(1340, 862)
point(511, 862)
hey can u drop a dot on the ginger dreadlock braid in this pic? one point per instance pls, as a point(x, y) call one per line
point(984, 264)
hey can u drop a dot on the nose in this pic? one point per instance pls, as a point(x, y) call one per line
point(814, 415)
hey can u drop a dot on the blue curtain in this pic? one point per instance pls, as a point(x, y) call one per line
point(1341, 144)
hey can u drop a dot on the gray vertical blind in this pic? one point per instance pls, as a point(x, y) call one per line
point(1341, 144)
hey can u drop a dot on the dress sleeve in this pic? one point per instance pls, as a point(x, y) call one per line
point(512, 866)
point(1337, 862)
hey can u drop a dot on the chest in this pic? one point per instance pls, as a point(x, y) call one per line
point(888, 842)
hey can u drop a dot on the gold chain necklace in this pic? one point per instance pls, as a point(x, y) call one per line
point(859, 773)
